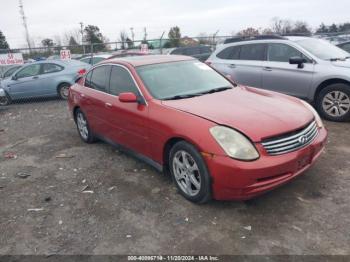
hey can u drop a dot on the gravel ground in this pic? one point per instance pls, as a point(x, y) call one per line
point(93, 199)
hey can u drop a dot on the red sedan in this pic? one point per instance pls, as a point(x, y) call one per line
point(217, 140)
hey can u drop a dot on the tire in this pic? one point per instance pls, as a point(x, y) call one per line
point(333, 102)
point(63, 90)
point(6, 100)
point(83, 127)
point(190, 173)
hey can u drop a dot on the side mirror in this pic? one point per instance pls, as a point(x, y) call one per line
point(296, 60)
point(14, 77)
point(128, 97)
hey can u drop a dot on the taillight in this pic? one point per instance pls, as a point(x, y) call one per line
point(82, 72)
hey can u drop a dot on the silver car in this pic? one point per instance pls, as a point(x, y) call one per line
point(41, 79)
point(309, 68)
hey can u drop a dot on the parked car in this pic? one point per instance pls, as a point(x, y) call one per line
point(10, 71)
point(345, 46)
point(217, 139)
point(128, 53)
point(42, 79)
point(92, 60)
point(308, 68)
point(201, 52)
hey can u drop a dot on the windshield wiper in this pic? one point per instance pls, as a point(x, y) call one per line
point(215, 90)
point(338, 59)
point(177, 97)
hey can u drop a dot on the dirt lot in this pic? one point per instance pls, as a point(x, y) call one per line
point(135, 210)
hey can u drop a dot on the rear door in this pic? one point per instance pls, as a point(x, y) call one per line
point(280, 76)
point(95, 97)
point(49, 73)
point(243, 63)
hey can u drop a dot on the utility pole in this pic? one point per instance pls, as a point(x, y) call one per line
point(132, 34)
point(24, 19)
point(145, 36)
point(82, 35)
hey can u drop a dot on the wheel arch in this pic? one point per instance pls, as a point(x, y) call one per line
point(327, 83)
point(75, 112)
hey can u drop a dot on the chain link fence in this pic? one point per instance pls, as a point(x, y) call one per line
point(89, 54)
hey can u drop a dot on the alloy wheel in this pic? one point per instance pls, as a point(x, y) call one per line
point(186, 173)
point(64, 92)
point(336, 103)
point(4, 101)
point(82, 126)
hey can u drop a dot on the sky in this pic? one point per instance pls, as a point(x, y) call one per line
point(53, 18)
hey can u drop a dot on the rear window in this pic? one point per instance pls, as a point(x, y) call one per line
point(252, 52)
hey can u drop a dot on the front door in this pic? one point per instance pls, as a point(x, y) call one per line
point(26, 83)
point(280, 76)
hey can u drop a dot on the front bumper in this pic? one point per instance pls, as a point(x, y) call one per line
point(238, 180)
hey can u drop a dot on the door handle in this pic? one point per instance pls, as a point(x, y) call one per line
point(35, 77)
point(232, 66)
point(82, 95)
point(108, 104)
point(267, 69)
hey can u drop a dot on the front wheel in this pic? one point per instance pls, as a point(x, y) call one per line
point(190, 173)
point(333, 102)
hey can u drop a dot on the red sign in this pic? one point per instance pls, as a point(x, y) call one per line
point(11, 59)
point(144, 48)
point(65, 54)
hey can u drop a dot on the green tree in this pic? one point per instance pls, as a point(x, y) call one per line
point(94, 36)
point(322, 29)
point(3, 42)
point(333, 28)
point(301, 27)
point(74, 46)
point(174, 36)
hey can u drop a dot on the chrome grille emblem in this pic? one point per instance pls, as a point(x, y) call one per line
point(302, 140)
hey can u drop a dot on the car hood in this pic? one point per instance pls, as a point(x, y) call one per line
point(345, 63)
point(257, 113)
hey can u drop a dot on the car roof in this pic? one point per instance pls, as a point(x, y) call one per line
point(149, 59)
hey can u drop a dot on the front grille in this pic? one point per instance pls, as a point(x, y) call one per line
point(291, 142)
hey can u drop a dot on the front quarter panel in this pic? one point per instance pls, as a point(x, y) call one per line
point(167, 123)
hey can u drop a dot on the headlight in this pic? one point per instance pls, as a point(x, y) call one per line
point(234, 143)
point(2, 92)
point(317, 117)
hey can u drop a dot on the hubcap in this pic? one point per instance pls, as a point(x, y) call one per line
point(82, 126)
point(336, 103)
point(64, 92)
point(3, 101)
point(186, 173)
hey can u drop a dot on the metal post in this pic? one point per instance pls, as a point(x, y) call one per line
point(160, 43)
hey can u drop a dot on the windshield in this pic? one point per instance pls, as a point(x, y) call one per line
point(10, 71)
point(322, 49)
point(168, 80)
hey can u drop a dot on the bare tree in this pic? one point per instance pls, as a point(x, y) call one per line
point(250, 31)
point(281, 26)
point(123, 36)
point(75, 33)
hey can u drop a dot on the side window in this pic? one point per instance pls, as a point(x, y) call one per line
point(282, 53)
point(177, 51)
point(229, 53)
point(346, 47)
point(121, 81)
point(88, 79)
point(96, 60)
point(252, 52)
point(192, 51)
point(10, 71)
point(31, 70)
point(205, 49)
point(51, 68)
point(86, 60)
point(99, 78)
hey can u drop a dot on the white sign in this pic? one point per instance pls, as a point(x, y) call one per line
point(11, 59)
point(144, 48)
point(65, 54)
